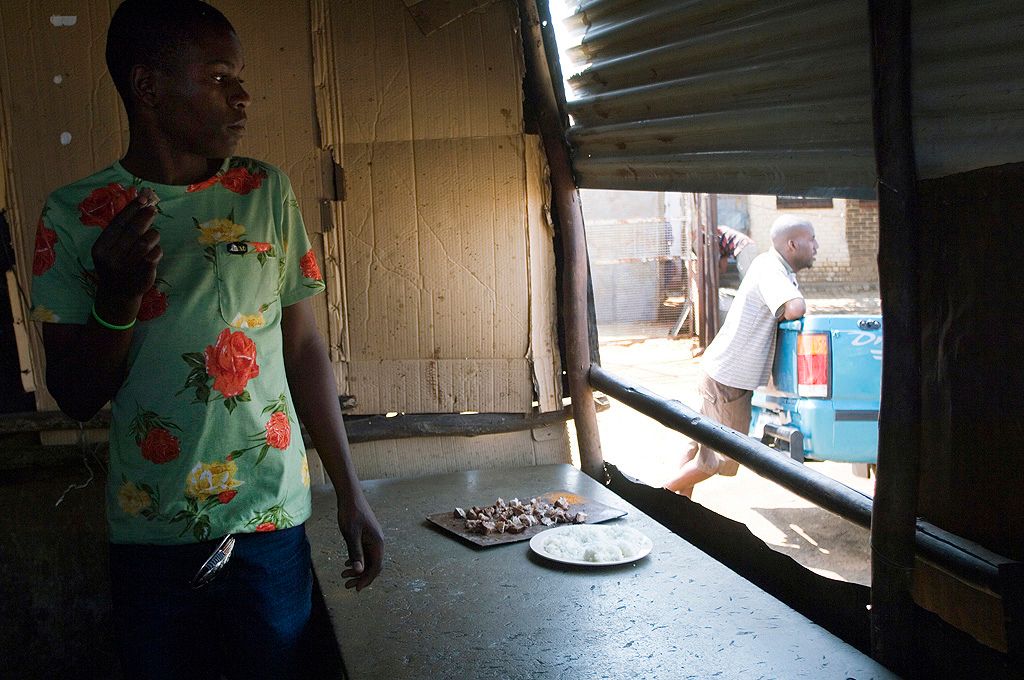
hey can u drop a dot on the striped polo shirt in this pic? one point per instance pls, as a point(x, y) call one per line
point(741, 354)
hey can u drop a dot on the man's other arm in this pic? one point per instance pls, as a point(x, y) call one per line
point(311, 381)
point(85, 365)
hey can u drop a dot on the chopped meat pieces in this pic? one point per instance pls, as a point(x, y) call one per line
point(514, 516)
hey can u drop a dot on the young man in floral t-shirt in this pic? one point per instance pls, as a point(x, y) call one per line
point(175, 284)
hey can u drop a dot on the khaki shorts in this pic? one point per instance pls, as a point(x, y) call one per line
point(730, 406)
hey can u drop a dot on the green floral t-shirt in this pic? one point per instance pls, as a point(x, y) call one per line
point(204, 440)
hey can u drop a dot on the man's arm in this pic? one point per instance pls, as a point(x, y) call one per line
point(86, 363)
point(311, 380)
point(794, 309)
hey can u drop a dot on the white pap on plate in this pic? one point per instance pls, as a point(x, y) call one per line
point(592, 544)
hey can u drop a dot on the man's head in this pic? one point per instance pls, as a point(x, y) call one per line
point(793, 238)
point(152, 33)
point(176, 65)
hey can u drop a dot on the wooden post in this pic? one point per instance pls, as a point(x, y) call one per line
point(899, 424)
point(566, 206)
point(706, 295)
point(711, 262)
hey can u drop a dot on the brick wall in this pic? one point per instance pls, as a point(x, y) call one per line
point(862, 240)
point(833, 261)
point(847, 239)
point(859, 233)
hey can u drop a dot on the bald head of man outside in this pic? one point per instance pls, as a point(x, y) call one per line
point(793, 238)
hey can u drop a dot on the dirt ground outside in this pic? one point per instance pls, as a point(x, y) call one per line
point(652, 453)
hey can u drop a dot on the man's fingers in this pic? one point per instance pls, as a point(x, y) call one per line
point(355, 554)
point(373, 564)
point(126, 254)
point(147, 241)
point(142, 220)
point(138, 215)
point(153, 257)
point(368, 567)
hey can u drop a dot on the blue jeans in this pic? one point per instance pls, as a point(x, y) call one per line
point(249, 622)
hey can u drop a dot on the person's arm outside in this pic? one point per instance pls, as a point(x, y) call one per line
point(793, 309)
point(780, 294)
point(86, 363)
point(311, 381)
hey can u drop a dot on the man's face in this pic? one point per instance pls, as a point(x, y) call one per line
point(201, 110)
point(804, 248)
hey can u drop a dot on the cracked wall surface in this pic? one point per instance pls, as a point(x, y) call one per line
point(448, 277)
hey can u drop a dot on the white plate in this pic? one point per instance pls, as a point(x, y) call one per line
point(538, 542)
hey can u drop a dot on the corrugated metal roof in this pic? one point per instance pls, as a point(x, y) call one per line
point(744, 96)
point(968, 85)
point(730, 96)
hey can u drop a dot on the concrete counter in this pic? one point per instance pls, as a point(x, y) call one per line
point(443, 608)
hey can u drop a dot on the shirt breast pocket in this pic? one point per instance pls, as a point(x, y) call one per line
point(247, 283)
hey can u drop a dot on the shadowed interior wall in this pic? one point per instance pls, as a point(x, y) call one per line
point(973, 379)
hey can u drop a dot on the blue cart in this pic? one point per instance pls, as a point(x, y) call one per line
point(823, 397)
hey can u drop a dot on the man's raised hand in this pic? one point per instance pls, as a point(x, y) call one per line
point(126, 256)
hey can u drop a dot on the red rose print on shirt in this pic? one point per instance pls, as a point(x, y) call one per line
point(45, 255)
point(205, 184)
point(260, 246)
point(226, 496)
point(104, 203)
point(271, 519)
point(241, 181)
point(160, 446)
point(231, 362)
point(154, 304)
point(152, 434)
point(310, 269)
point(279, 431)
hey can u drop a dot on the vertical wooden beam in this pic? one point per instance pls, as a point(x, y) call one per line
point(899, 424)
point(706, 295)
point(22, 338)
point(711, 262)
point(541, 89)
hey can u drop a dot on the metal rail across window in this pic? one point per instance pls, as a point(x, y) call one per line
point(951, 553)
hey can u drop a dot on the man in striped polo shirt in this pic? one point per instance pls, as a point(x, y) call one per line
point(739, 359)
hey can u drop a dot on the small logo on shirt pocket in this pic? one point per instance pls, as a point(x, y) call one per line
point(238, 248)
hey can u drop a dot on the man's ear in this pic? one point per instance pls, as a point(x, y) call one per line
point(142, 81)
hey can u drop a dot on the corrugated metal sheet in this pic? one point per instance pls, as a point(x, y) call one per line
point(968, 85)
point(729, 96)
point(744, 96)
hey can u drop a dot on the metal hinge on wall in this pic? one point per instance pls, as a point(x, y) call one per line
point(334, 184)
